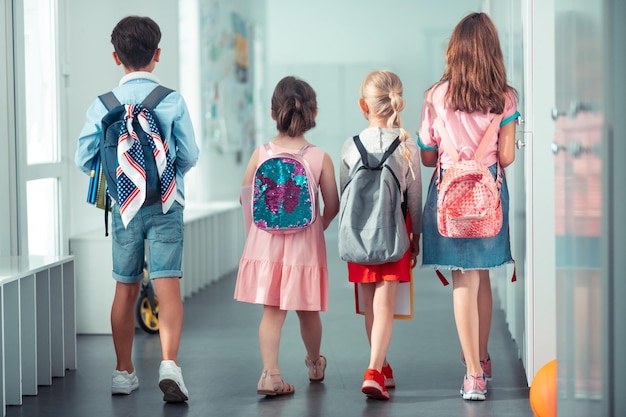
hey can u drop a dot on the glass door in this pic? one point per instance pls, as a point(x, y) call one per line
point(578, 163)
point(8, 206)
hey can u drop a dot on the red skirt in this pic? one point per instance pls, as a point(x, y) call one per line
point(399, 270)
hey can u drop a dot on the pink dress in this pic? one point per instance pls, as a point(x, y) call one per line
point(284, 270)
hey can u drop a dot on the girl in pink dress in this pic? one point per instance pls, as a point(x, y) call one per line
point(289, 271)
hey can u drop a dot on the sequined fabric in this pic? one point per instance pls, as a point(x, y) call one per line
point(282, 198)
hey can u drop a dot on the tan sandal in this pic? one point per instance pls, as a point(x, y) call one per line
point(271, 383)
point(316, 369)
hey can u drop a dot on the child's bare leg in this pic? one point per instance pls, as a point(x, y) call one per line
point(485, 305)
point(367, 290)
point(270, 331)
point(311, 332)
point(465, 299)
point(170, 315)
point(123, 329)
point(384, 304)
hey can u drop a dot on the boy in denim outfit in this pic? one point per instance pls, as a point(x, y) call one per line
point(135, 41)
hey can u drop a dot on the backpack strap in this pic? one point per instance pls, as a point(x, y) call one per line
point(159, 92)
point(364, 154)
point(448, 145)
point(109, 100)
point(484, 142)
point(305, 148)
point(446, 140)
point(301, 152)
point(155, 96)
point(365, 160)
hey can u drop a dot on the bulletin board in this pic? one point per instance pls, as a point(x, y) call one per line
point(226, 73)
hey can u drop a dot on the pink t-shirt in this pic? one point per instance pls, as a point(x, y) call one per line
point(465, 129)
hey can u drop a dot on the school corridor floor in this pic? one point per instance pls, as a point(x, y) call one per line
point(221, 364)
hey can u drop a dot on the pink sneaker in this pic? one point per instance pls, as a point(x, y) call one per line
point(388, 373)
point(486, 365)
point(474, 388)
point(374, 385)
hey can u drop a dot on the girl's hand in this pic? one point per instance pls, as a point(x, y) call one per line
point(415, 250)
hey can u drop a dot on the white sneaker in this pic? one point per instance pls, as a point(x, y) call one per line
point(171, 382)
point(123, 382)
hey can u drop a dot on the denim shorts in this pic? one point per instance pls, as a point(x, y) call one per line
point(164, 235)
point(442, 252)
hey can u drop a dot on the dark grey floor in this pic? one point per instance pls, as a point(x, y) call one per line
point(221, 364)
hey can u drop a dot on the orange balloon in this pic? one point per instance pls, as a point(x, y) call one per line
point(543, 389)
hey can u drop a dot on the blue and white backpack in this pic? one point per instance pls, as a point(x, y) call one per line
point(284, 195)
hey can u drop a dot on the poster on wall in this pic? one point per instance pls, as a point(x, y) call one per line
point(226, 77)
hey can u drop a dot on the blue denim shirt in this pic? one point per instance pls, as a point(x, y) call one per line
point(174, 120)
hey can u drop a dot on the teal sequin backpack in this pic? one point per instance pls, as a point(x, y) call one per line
point(284, 196)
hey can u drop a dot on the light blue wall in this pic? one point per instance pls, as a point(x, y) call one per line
point(334, 44)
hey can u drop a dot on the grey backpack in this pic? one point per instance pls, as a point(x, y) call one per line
point(372, 227)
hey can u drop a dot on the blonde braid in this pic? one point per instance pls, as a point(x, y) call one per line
point(397, 104)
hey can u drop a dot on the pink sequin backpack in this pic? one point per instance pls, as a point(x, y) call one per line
point(284, 192)
point(468, 202)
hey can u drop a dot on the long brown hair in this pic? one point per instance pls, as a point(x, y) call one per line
point(475, 67)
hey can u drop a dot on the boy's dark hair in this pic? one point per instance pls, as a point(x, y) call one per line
point(135, 39)
point(294, 105)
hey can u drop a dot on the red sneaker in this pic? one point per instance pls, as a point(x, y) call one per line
point(374, 385)
point(388, 373)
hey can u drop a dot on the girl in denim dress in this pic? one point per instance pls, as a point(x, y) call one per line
point(471, 93)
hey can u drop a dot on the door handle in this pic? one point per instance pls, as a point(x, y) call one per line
point(575, 107)
point(519, 143)
point(574, 148)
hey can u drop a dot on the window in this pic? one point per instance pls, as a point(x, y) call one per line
point(41, 84)
point(40, 116)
